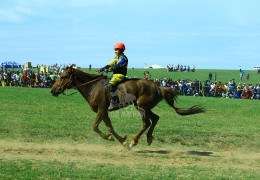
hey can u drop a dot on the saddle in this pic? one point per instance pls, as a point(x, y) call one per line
point(123, 81)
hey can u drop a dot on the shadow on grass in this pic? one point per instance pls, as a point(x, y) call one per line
point(199, 153)
point(196, 153)
point(154, 152)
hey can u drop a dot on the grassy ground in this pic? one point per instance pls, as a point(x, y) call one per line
point(52, 138)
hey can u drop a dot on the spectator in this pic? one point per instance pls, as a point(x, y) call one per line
point(241, 75)
point(183, 88)
point(235, 95)
point(16, 79)
point(212, 90)
point(146, 74)
point(193, 69)
point(239, 89)
point(24, 79)
point(9, 78)
point(32, 79)
point(164, 83)
point(248, 76)
point(4, 77)
point(1, 77)
point(210, 76)
point(206, 88)
point(20, 78)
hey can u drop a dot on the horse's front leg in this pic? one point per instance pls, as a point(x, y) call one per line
point(122, 140)
point(99, 118)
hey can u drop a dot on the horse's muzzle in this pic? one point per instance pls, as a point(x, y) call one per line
point(56, 92)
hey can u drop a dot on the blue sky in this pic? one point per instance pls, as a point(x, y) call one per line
point(210, 34)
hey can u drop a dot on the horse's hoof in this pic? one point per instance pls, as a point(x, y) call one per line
point(110, 137)
point(126, 145)
point(149, 141)
point(132, 144)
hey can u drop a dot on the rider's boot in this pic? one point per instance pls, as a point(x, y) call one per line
point(113, 103)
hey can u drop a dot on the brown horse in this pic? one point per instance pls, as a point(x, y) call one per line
point(144, 94)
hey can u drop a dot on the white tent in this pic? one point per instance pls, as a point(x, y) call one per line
point(155, 66)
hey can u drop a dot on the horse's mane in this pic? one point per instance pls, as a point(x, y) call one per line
point(90, 76)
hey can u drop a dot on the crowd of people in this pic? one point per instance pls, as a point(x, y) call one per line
point(212, 89)
point(181, 68)
point(42, 78)
point(187, 87)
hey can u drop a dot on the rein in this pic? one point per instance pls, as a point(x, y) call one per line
point(94, 80)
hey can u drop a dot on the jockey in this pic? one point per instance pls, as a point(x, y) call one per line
point(119, 68)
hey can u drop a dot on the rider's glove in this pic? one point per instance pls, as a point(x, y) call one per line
point(100, 70)
point(103, 69)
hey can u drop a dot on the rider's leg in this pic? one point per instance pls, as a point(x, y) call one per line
point(116, 79)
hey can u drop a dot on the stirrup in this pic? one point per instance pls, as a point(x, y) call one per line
point(112, 106)
point(110, 88)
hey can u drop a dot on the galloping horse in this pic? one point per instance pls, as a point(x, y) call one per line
point(144, 94)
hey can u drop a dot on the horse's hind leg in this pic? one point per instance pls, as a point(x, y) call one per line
point(108, 123)
point(146, 125)
point(154, 118)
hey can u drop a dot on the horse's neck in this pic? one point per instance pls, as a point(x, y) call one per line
point(88, 82)
point(85, 92)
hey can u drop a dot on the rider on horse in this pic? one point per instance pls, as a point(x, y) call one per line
point(119, 68)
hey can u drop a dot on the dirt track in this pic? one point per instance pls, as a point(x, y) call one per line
point(117, 155)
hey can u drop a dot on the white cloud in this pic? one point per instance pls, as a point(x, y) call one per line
point(19, 11)
point(10, 16)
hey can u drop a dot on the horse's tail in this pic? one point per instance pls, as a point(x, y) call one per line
point(169, 95)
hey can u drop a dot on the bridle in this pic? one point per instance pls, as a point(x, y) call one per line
point(62, 90)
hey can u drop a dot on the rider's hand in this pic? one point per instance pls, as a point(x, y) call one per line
point(98, 70)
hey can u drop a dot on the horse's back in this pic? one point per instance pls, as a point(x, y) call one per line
point(139, 86)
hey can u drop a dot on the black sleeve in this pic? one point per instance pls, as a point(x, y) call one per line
point(106, 67)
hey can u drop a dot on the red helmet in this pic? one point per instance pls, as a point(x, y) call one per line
point(119, 46)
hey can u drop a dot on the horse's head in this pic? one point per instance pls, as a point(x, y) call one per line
point(64, 82)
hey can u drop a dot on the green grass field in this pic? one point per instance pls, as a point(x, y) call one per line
point(43, 137)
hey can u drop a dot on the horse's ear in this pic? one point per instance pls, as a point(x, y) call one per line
point(70, 69)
